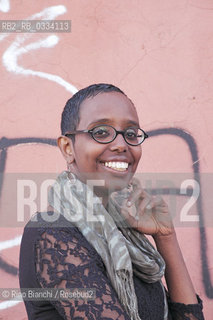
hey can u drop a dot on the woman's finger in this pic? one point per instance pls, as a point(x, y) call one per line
point(138, 193)
point(135, 196)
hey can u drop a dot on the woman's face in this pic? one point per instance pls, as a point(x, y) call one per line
point(92, 160)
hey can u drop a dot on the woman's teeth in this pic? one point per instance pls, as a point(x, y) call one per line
point(120, 166)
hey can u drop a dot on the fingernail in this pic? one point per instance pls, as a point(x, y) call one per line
point(129, 203)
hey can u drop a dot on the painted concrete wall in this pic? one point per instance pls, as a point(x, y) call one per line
point(158, 52)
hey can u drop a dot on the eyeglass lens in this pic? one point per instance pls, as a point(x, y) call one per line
point(106, 134)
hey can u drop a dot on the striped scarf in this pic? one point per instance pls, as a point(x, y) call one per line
point(123, 249)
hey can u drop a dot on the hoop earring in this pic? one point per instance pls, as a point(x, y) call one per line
point(68, 167)
point(71, 176)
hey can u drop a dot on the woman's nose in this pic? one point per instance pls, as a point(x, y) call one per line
point(119, 144)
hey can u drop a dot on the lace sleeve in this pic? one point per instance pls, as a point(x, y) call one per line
point(64, 260)
point(180, 311)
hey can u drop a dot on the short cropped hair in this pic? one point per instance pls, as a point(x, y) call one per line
point(70, 116)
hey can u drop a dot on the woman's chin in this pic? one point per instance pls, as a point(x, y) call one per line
point(106, 181)
point(116, 184)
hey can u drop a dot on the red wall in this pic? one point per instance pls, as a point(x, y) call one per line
point(159, 53)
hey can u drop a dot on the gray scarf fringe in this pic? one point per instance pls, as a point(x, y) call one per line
point(123, 252)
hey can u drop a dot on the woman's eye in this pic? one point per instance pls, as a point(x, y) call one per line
point(131, 134)
point(101, 132)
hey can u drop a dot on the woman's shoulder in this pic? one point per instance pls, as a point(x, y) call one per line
point(50, 223)
point(55, 228)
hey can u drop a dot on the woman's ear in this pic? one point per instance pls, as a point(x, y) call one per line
point(66, 146)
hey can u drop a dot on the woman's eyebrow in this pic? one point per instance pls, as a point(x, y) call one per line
point(109, 121)
point(100, 121)
point(133, 123)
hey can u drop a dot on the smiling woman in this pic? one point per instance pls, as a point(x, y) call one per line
point(97, 244)
point(86, 157)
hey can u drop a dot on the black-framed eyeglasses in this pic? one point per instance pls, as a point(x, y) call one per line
point(106, 134)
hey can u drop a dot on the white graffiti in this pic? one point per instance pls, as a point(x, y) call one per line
point(8, 304)
point(10, 243)
point(4, 5)
point(16, 49)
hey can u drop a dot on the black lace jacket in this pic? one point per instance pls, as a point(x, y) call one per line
point(58, 256)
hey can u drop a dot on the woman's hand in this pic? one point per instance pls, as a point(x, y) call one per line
point(148, 214)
